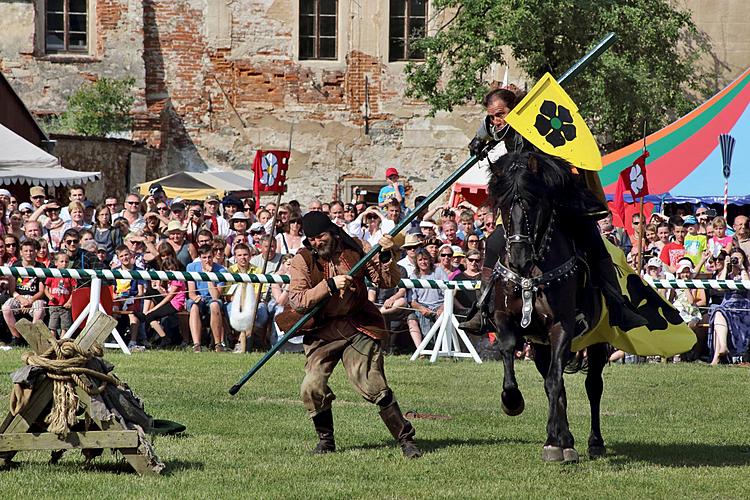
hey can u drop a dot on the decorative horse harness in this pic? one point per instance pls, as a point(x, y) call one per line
point(529, 286)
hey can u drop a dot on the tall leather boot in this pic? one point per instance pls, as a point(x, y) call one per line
point(401, 429)
point(622, 313)
point(323, 423)
point(478, 318)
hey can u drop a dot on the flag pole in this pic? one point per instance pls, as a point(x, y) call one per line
point(259, 293)
point(641, 224)
point(465, 166)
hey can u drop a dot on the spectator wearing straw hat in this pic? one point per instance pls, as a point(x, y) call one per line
point(177, 239)
point(37, 197)
point(410, 246)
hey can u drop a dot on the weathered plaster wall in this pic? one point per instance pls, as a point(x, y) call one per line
point(218, 79)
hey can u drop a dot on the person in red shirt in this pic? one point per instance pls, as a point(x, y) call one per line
point(675, 250)
point(59, 292)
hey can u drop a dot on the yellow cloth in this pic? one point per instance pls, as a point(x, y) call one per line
point(548, 118)
point(666, 334)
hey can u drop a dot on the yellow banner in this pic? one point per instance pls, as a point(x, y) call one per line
point(549, 119)
point(666, 334)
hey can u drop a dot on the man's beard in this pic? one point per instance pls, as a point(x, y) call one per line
point(327, 249)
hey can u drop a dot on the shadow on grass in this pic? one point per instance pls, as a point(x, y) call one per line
point(123, 467)
point(429, 445)
point(679, 454)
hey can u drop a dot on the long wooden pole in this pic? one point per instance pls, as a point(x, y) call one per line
point(641, 220)
point(465, 166)
point(259, 293)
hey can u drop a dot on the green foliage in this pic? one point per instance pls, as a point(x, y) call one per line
point(100, 108)
point(651, 72)
point(672, 431)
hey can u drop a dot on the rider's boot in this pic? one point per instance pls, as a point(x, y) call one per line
point(478, 318)
point(622, 313)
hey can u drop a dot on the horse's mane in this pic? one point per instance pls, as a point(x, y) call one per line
point(512, 178)
point(552, 179)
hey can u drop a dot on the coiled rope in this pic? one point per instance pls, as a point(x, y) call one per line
point(65, 364)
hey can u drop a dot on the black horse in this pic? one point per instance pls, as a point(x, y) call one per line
point(542, 292)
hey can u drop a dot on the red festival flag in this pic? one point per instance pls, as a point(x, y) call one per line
point(269, 173)
point(634, 180)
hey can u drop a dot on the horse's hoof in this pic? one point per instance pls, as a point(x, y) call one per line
point(512, 402)
point(552, 454)
point(597, 451)
point(570, 456)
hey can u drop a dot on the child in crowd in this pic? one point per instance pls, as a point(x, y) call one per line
point(720, 240)
point(128, 295)
point(59, 292)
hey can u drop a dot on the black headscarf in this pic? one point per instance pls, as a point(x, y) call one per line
point(314, 223)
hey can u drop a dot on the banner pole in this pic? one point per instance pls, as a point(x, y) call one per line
point(579, 66)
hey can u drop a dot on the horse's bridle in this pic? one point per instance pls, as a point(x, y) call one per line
point(529, 286)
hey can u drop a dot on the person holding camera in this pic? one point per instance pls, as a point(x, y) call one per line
point(393, 190)
point(729, 322)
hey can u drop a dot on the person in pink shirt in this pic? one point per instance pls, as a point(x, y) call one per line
point(169, 303)
point(719, 240)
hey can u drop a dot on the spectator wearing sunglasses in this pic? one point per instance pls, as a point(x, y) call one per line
point(79, 258)
point(132, 213)
point(466, 298)
point(12, 249)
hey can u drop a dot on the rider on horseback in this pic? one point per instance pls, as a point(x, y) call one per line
point(493, 139)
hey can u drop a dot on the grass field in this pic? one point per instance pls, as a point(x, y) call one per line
point(671, 431)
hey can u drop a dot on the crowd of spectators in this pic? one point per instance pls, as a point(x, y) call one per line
point(693, 243)
point(155, 232)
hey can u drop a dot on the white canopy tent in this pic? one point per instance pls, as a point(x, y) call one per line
point(22, 162)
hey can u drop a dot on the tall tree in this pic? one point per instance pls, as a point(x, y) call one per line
point(651, 73)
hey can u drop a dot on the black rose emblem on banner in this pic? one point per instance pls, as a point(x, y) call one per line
point(555, 123)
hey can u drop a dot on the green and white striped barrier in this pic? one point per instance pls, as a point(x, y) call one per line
point(227, 277)
point(678, 284)
point(224, 277)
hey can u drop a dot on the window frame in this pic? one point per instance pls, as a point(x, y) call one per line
point(66, 31)
point(406, 55)
point(316, 36)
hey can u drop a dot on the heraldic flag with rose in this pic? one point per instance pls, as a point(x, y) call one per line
point(549, 119)
point(269, 170)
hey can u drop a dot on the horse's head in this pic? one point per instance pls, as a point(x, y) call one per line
point(524, 187)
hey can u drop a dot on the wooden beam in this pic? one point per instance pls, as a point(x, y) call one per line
point(79, 440)
point(36, 334)
point(96, 331)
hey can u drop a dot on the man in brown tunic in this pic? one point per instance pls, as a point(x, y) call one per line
point(349, 327)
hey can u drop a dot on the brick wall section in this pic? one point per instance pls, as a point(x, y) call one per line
point(108, 15)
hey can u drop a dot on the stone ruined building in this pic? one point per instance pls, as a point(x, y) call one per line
point(218, 79)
